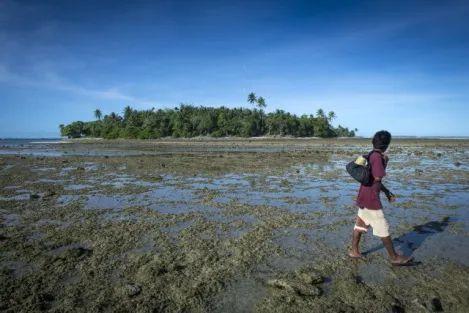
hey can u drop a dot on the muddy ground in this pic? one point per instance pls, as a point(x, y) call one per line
point(228, 225)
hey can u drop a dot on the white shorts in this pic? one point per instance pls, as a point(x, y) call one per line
point(376, 219)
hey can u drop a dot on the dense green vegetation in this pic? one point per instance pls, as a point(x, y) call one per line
point(191, 121)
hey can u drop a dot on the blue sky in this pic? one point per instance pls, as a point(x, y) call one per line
point(396, 65)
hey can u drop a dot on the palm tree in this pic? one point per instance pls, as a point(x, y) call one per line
point(252, 98)
point(261, 102)
point(127, 112)
point(97, 114)
point(331, 115)
point(320, 113)
point(114, 117)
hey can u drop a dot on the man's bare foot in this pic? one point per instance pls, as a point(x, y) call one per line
point(355, 255)
point(401, 260)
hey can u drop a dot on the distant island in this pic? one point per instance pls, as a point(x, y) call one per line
point(192, 121)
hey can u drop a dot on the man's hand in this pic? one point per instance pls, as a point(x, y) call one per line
point(391, 197)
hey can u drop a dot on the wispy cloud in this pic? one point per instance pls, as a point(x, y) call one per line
point(52, 81)
point(25, 57)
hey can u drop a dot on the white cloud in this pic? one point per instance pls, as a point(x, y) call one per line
point(52, 81)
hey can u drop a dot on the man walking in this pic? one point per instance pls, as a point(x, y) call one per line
point(370, 212)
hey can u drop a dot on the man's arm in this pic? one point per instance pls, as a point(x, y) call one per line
point(391, 197)
point(378, 171)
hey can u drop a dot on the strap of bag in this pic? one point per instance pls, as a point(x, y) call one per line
point(367, 157)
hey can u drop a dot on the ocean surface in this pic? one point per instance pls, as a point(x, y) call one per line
point(19, 142)
point(54, 147)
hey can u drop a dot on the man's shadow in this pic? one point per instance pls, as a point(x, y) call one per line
point(412, 240)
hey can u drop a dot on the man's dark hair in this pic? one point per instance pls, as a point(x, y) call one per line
point(381, 140)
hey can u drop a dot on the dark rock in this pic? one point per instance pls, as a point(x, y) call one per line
point(436, 305)
point(80, 169)
point(45, 300)
point(457, 164)
point(76, 253)
point(174, 267)
point(395, 308)
point(80, 251)
point(46, 297)
point(358, 279)
point(49, 193)
point(163, 165)
point(34, 196)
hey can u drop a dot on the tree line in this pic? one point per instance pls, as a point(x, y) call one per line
point(191, 121)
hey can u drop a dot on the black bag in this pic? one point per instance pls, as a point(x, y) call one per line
point(361, 173)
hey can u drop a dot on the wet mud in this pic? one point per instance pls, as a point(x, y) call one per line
point(227, 225)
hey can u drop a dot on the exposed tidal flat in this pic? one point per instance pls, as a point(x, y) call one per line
point(227, 225)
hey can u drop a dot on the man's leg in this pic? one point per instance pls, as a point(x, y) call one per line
point(395, 258)
point(359, 227)
point(381, 229)
point(387, 242)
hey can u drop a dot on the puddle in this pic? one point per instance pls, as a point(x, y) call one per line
point(23, 191)
point(43, 169)
point(51, 181)
point(10, 219)
point(11, 187)
point(77, 187)
point(20, 197)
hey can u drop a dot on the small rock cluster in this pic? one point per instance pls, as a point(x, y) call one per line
point(303, 283)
